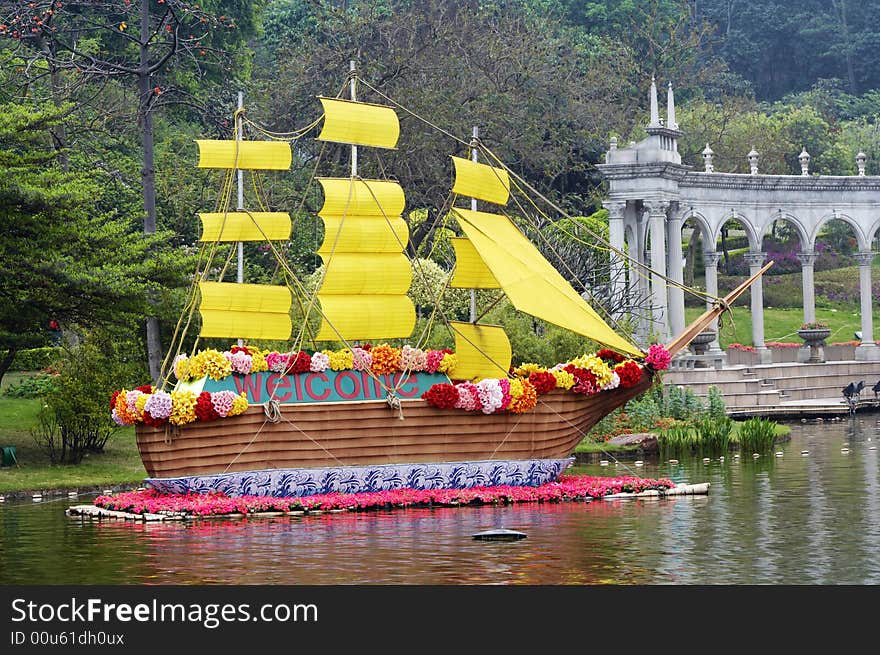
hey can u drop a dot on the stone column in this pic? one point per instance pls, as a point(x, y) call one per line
point(807, 259)
point(618, 271)
point(710, 262)
point(642, 285)
point(868, 349)
point(756, 261)
point(676, 272)
point(657, 212)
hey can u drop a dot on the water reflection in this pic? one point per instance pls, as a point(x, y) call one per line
point(793, 519)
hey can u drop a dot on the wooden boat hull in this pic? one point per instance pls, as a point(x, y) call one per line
point(368, 446)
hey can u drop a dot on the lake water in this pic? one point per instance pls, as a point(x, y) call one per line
point(794, 519)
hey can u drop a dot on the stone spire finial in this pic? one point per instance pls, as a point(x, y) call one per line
point(655, 112)
point(860, 162)
point(613, 144)
point(670, 109)
point(753, 161)
point(804, 159)
point(707, 159)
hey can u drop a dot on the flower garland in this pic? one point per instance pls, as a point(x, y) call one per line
point(154, 407)
point(380, 360)
point(587, 375)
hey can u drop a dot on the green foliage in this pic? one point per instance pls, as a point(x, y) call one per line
point(36, 359)
point(32, 386)
point(76, 419)
point(756, 435)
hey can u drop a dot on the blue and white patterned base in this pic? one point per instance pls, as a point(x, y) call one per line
point(359, 479)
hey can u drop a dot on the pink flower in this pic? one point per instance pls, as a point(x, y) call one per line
point(658, 357)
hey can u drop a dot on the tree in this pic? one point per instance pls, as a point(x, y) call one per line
point(542, 99)
point(166, 46)
point(64, 258)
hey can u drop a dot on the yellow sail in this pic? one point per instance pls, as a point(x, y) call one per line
point(482, 351)
point(346, 197)
point(244, 226)
point(245, 155)
point(363, 292)
point(364, 318)
point(470, 271)
point(359, 123)
point(361, 273)
point(245, 311)
point(362, 216)
point(530, 282)
point(481, 181)
point(370, 233)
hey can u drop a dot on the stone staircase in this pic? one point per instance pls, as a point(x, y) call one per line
point(797, 389)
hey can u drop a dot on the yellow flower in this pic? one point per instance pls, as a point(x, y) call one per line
point(564, 379)
point(259, 361)
point(524, 370)
point(525, 397)
point(181, 368)
point(211, 363)
point(597, 366)
point(340, 360)
point(239, 405)
point(448, 363)
point(183, 407)
point(140, 402)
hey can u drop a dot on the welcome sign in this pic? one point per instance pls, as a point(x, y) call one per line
point(328, 386)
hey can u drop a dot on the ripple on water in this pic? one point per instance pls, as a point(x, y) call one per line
point(795, 520)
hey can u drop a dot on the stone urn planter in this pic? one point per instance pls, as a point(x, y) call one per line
point(814, 339)
point(700, 343)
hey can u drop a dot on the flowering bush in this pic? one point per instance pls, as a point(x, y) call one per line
point(814, 325)
point(566, 487)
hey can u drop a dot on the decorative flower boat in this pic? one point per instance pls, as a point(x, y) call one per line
point(253, 422)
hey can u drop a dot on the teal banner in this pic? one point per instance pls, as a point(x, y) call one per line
point(327, 386)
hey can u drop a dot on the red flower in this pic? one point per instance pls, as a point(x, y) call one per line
point(113, 398)
point(442, 395)
point(155, 422)
point(300, 362)
point(629, 373)
point(205, 408)
point(146, 388)
point(610, 355)
point(543, 381)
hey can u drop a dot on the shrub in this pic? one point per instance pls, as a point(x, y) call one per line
point(36, 359)
point(76, 419)
point(757, 435)
point(35, 386)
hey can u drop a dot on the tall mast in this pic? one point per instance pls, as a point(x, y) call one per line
point(476, 135)
point(239, 135)
point(353, 86)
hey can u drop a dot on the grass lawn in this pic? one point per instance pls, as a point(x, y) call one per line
point(782, 324)
point(119, 464)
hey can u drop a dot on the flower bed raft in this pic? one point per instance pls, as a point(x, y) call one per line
point(566, 488)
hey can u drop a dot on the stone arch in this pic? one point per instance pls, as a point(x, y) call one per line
point(701, 221)
point(862, 239)
point(872, 230)
point(800, 228)
point(750, 228)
